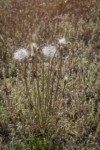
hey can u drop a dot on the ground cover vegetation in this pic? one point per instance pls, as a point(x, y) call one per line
point(49, 75)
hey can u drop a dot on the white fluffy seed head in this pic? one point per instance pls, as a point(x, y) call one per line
point(65, 78)
point(21, 54)
point(49, 50)
point(62, 41)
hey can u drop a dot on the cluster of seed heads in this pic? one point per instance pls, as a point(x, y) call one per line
point(48, 50)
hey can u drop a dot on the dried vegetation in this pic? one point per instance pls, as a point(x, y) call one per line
point(50, 103)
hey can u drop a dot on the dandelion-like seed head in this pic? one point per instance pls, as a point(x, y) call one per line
point(62, 41)
point(20, 54)
point(65, 78)
point(49, 51)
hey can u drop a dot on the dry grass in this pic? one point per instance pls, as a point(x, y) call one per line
point(50, 104)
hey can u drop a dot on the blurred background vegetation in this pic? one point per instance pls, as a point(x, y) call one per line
point(76, 125)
